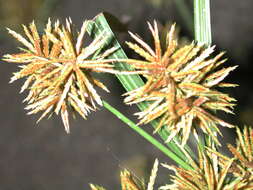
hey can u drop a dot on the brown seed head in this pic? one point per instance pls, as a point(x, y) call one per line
point(58, 69)
point(242, 167)
point(181, 85)
point(206, 174)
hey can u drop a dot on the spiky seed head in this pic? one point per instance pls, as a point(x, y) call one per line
point(206, 174)
point(58, 69)
point(242, 166)
point(182, 86)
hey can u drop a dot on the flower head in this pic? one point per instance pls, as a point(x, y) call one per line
point(205, 175)
point(243, 153)
point(242, 167)
point(181, 86)
point(58, 69)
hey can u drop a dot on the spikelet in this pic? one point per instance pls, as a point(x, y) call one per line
point(181, 86)
point(206, 174)
point(58, 69)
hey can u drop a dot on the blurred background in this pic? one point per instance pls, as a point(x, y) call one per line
point(44, 157)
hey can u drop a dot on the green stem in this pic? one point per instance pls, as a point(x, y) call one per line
point(148, 137)
point(203, 35)
point(202, 22)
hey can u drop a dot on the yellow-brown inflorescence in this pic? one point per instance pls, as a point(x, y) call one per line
point(130, 182)
point(242, 167)
point(58, 69)
point(181, 86)
point(206, 175)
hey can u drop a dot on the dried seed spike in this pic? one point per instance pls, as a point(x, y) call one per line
point(161, 123)
point(56, 28)
point(48, 26)
point(80, 37)
point(64, 116)
point(171, 35)
point(27, 83)
point(45, 45)
point(108, 52)
point(223, 174)
point(45, 113)
point(78, 106)
point(28, 34)
point(242, 141)
point(171, 43)
point(153, 175)
point(218, 76)
point(64, 94)
point(181, 57)
point(97, 43)
point(249, 142)
point(142, 43)
point(140, 51)
point(194, 64)
point(187, 129)
point(155, 34)
point(99, 84)
point(67, 39)
point(36, 38)
point(21, 39)
point(69, 25)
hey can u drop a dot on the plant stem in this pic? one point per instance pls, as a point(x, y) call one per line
point(203, 35)
point(202, 22)
point(145, 135)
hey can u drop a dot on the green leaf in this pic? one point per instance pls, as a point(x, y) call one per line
point(203, 35)
point(148, 137)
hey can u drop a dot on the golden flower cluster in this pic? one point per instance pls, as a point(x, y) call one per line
point(181, 86)
point(206, 175)
point(242, 166)
point(58, 69)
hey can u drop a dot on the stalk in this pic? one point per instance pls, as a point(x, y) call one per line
point(202, 22)
point(146, 136)
point(203, 35)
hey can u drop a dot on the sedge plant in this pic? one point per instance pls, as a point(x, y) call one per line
point(179, 96)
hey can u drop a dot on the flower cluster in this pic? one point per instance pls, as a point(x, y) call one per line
point(58, 69)
point(242, 166)
point(181, 90)
point(181, 86)
point(206, 174)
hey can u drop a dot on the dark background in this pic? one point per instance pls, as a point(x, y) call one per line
point(44, 157)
